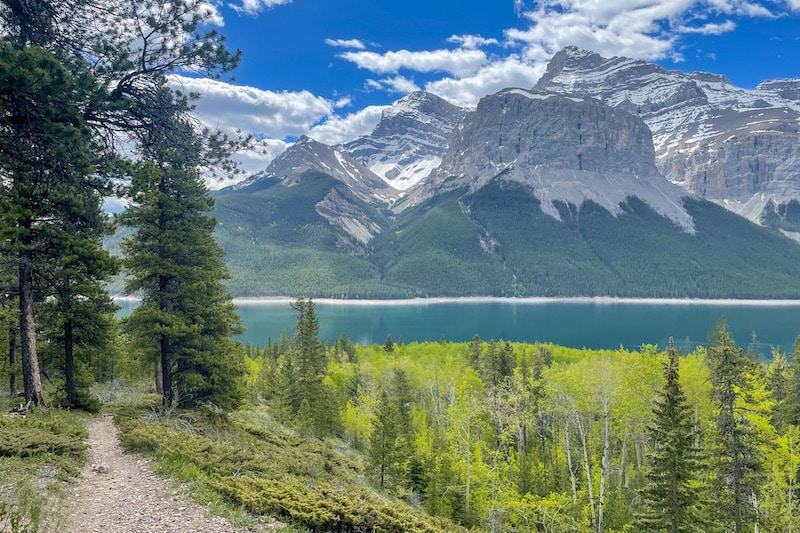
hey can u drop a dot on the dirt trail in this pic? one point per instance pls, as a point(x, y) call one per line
point(118, 493)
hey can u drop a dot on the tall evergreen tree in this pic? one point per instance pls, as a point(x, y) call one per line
point(734, 454)
point(671, 496)
point(49, 198)
point(187, 317)
point(384, 448)
point(52, 126)
point(791, 404)
point(302, 374)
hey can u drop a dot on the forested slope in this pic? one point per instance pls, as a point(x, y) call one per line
point(496, 241)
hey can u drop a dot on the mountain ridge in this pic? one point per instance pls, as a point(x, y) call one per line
point(555, 191)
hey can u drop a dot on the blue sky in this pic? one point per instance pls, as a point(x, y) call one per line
point(327, 68)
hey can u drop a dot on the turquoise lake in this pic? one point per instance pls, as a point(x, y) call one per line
point(580, 323)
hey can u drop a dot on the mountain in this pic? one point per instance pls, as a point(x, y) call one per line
point(338, 205)
point(409, 140)
point(563, 149)
point(537, 194)
point(735, 146)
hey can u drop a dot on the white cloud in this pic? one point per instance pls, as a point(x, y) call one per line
point(460, 62)
point(346, 43)
point(254, 7)
point(710, 28)
point(397, 84)
point(794, 5)
point(255, 158)
point(754, 10)
point(510, 72)
point(630, 34)
point(471, 41)
point(337, 130)
point(229, 107)
point(642, 29)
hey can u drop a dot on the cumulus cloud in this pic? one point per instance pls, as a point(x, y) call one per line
point(794, 5)
point(471, 41)
point(229, 107)
point(510, 72)
point(337, 130)
point(459, 62)
point(255, 158)
point(346, 43)
point(254, 7)
point(643, 29)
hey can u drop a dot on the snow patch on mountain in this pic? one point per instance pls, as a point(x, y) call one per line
point(716, 140)
point(408, 142)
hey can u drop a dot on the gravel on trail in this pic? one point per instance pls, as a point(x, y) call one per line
point(119, 493)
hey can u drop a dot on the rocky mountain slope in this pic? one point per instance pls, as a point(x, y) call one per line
point(409, 141)
point(735, 146)
point(563, 149)
point(341, 206)
point(537, 193)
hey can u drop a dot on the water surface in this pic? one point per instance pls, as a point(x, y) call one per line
point(579, 323)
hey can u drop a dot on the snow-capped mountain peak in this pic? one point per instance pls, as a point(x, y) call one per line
point(408, 142)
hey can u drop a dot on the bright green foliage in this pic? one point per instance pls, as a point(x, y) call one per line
point(777, 383)
point(187, 317)
point(672, 493)
point(791, 410)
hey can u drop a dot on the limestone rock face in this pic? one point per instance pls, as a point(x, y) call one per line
point(724, 143)
point(565, 148)
point(409, 141)
point(519, 127)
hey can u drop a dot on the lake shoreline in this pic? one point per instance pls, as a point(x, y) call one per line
point(534, 300)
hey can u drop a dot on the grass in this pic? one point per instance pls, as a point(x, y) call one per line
point(40, 455)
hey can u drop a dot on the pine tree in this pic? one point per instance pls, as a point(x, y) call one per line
point(384, 450)
point(791, 405)
point(307, 361)
point(671, 495)
point(187, 317)
point(50, 215)
point(734, 454)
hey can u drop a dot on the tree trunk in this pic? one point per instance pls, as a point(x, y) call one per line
point(32, 381)
point(69, 365)
point(166, 372)
point(588, 468)
point(159, 378)
point(568, 451)
point(605, 466)
point(12, 360)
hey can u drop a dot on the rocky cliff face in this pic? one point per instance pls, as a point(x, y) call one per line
point(340, 207)
point(735, 146)
point(409, 141)
point(307, 154)
point(564, 148)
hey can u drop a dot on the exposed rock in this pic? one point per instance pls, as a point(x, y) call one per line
point(715, 140)
point(565, 149)
point(409, 141)
point(307, 154)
